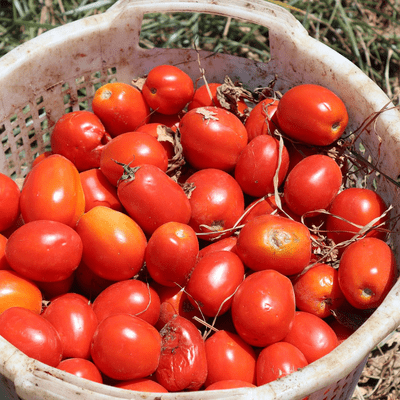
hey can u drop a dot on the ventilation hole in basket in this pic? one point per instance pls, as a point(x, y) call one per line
point(16, 130)
point(68, 110)
point(112, 71)
point(2, 129)
point(84, 105)
point(22, 155)
point(80, 80)
point(67, 98)
point(42, 112)
point(29, 121)
point(26, 109)
point(39, 100)
point(44, 124)
point(13, 118)
point(65, 87)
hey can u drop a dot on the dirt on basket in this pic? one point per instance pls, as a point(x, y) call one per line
point(380, 379)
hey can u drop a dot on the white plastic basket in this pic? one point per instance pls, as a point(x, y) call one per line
point(42, 78)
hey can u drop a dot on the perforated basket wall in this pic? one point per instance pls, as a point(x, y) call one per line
point(59, 72)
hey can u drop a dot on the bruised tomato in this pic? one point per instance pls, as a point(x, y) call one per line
point(311, 114)
point(263, 308)
point(212, 137)
point(120, 107)
point(53, 191)
point(167, 89)
point(367, 272)
point(113, 243)
point(80, 136)
point(274, 242)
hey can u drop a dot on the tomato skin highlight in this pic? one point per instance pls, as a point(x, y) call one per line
point(152, 198)
point(53, 191)
point(183, 361)
point(263, 308)
point(367, 272)
point(82, 368)
point(311, 114)
point(32, 334)
point(113, 243)
point(43, 250)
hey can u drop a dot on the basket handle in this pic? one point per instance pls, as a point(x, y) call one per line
point(260, 12)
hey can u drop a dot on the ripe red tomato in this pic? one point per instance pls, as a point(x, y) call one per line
point(175, 301)
point(317, 291)
point(212, 137)
point(133, 149)
point(75, 321)
point(263, 308)
point(274, 242)
point(311, 114)
point(3, 259)
point(172, 121)
point(131, 296)
point(46, 251)
point(257, 165)
point(16, 291)
point(229, 384)
point(167, 89)
point(358, 206)
point(261, 206)
point(142, 385)
point(9, 202)
point(278, 360)
point(113, 243)
point(41, 157)
point(319, 178)
point(226, 244)
point(342, 331)
point(32, 334)
point(183, 362)
point(53, 191)
point(312, 336)
point(229, 358)
point(52, 289)
point(126, 347)
point(171, 253)
point(82, 368)
point(259, 122)
point(217, 202)
point(152, 198)
point(80, 137)
point(213, 281)
point(367, 272)
point(162, 133)
point(113, 104)
point(98, 190)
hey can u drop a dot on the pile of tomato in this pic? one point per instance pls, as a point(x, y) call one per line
point(179, 238)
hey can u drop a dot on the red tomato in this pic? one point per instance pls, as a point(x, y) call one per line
point(367, 272)
point(212, 137)
point(171, 253)
point(75, 321)
point(113, 104)
point(258, 163)
point(213, 281)
point(133, 149)
point(311, 114)
point(226, 244)
point(216, 201)
point(82, 368)
point(357, 206)
point(319, 178)
point(261, 206)
point(183, 362)
point(9, 202)
point(229, 358)
point(207, 95)
point(3, 259)
point(342, 331)
point(263, 308)
point(229, 384)
point(41, 157)
point(126, 347)
point(32, 334)
point(128, 297)
point(172, 121)
point(98, 190)
point(317, 291)
point(278, 360)
point(80, 137)
point(259, 122)
point(16, 291)
point(162, 133)
point(53, 191)
point(274, 242)
point(312, 336)
point(52, 289)
point(152, 198)
point(167, 89)
point(142, 385)
point(113, 243)
point(46, 251)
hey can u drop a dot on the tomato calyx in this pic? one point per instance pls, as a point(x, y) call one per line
point(208, 115)
point(129, 172)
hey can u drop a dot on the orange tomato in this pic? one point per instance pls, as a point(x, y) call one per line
point(16, 291)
